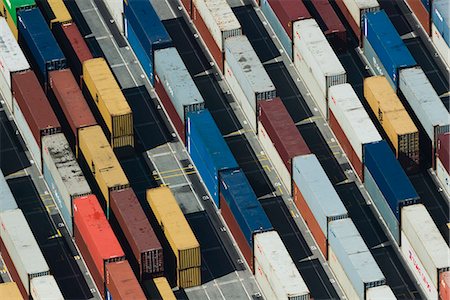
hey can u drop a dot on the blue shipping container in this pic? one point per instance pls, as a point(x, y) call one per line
point(387, 44)
point(147, 29)
point(427, 5)
point(389, 176)
point(208, 150)
point(441, 18)
point(40, 42)
point(244, 205)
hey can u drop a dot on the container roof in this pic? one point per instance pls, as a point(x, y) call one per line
point(11, 55)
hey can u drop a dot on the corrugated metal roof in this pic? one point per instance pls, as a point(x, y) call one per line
point(363, 4)
point(45, 287)
point(222, 13)
point(7, 201)
point(11, 56)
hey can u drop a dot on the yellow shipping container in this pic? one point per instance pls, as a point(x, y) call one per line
point(175, 227)
point(392, 115)
point(163, 288)
point(189, 277)
point(102, 161)
point(10, 291)
point(60, 11)
point(110, 101)
point(9, 20)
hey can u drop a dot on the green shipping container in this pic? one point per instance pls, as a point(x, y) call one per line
point(13, 5)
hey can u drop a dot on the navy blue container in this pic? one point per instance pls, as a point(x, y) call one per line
point(387, 44)
point(145, 32)
point(208, 150)
point(39, 43)
point(427, 5)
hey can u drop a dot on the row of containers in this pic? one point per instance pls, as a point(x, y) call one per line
point(56, 111)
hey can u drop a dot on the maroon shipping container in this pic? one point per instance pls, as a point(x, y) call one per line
point(421, 13)
point(443, 150)
point(139, 233)
point(310, 221)
point(355, 27)
point(188, 6)
point(346, 146)
point(217, 54)
point(121, 282)
point(73, 108)
point(12, 270)
point(170, 109)
point(282, 131)
point(288, 12)
point(34, 105)
point(243, 245)
point(333, 29)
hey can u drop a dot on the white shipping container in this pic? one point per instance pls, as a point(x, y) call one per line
point(358, 8)
point(440, 44)
point(7, 201)
point(314, 58)
point(219, 19)
point(275, 271)
point(352, 117)
point(272, 153)
point(443, 176)
point(115, 8)
point(22, 247)
point(12, 60)
point(341, 276)
point(426, 240)
point(45, 288)
point(383, 292)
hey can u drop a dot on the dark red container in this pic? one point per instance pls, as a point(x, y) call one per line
point(443, 150)
point(188, 6)
point(421, 13)
point(308, 216)
point(121, 282)
point(34, 105)
point(282, 131)
point(288, 12)
point(243, 245)
point(139, 233)
point(12, 270)
point(350, 20)
point(73, 110)
point(444, 285)
point(335, 30)
point(178, 123)
point(217, 54)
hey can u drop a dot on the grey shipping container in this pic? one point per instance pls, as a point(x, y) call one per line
point(7, 201)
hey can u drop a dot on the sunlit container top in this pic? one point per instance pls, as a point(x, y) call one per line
point(15, 229)
point(10, 291)
point(346, 103)
point(12, 58)
point(45, 287)
point(383, 292)
point(60, 11)
point(239, 53)
point(317, 190)
point(364, 4)
point(7, 201)
point(163, 288)
point(441, 18)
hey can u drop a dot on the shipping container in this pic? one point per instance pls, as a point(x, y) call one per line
point(102, 163)
point(175, 87)
point(55, 12)
point(440, 44)
point(32, 112)
point(316, 62)
point(444, 285)
point(141, 238)
point(280, 138)
point(39, 44)
point(351, 124)
point(71, 107)
point(316, 198)
point(7, 201)
point(121, 284)
point(104, 91)
point(383, 292)
point(443, 161)
point(45, 288)
point(187, 6)
point(9, 9)
point(242, 212)
point(247, 77)
point(390, 53)
point(12, 60)
point(20, 250)
point(208, 150)
point(387, 185)
point(10, 291)
point(351, 261)
point(440, 16)
point(95, 239)
point(426, 240)
point(161, 290)
point(63, 175)
point(354, 10)
point(116, 10)
point(422, 14)
point(281, 15)
point(179, 235)
point(275, 271)
point(395, 120)
point(215, 21)
point(145, 33)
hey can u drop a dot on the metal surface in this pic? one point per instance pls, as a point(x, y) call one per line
point(45, 287)
point(121, 283)
point(7, 201)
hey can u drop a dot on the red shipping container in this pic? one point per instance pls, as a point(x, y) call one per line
point(288, 12)
point(12, 270)
point(243, 245)
point(350, 20)
point(34, 105)
point(421, 13)
point(282, 131)
point(94, 237)
point(121, 282)
point(444, 285)
point(139, 233)
point(77, 113)
point(313, 225)
point(443, 150)
point(335, 31)
point(188, 6)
